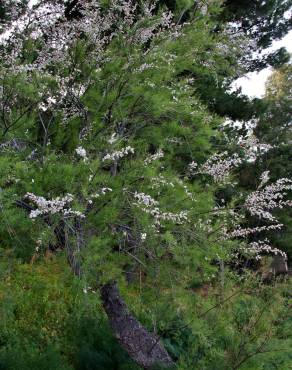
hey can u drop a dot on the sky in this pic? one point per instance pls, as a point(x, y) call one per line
point(32, 2)
point(253, 84)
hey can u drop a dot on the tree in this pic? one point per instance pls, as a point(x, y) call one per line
point(277, 97)
point(107, 152)
point(274, 127)
point(263, 22)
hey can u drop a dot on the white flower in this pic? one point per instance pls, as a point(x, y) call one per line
point(118, 154)
point(264, 179)
point(257, 248)
point(113, 138)
point(218, 166)
point(261, 202)
point(154, 157)
point(96, 195)
point(54, 206)
point(51, 100)
point(81, 152)
point(145, 199)
point(193, 166)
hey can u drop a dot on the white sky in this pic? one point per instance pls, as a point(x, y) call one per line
point(32, 2)
point(253, 84)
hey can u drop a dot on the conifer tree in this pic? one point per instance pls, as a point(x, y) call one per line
point(106, 154)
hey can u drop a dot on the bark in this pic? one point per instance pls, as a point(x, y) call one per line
point(141, 345)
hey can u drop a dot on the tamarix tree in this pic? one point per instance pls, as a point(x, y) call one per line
point(108, 156)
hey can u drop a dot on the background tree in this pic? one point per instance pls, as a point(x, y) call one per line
point(274, 127)
point(263, 22)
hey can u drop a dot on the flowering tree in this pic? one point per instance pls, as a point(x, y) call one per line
point(107, 146)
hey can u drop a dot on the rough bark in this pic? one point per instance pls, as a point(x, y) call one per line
point(141, 345)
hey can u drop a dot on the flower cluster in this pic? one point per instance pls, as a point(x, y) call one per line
point(48, 104)
point(193, 167)
point(262, 246)
point(265, 177)
point(253, 148)
point(145, 199)
point(178, 218)
point(149, 205)
point(81, 152)
point(261, 202)
point(118, 154)
point(219, 166)
point(244, 232)
point(100, 193)
point(113, 138)
point(54, 206)
point(47, 23)
point(154, 157)
point(144, 67)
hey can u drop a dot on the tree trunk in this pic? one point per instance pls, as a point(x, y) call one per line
point(143, 347)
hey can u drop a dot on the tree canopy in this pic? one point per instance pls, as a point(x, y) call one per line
point(128, 238)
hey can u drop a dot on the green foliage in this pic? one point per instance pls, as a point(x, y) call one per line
point(262, 20)
point(49, 323)
point(278, 134)
point(167, 95)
